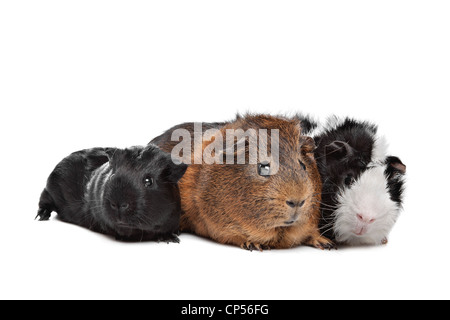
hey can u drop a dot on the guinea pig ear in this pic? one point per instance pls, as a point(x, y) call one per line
point(338, 150)
point(174, 171)
point(97, 157)
point(116, 156)
point(394, 166)
point(110, 152)
point(308, 145)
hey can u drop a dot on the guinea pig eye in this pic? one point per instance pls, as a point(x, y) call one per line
point(302, 164)
point(362, 165)
point(349, 180)
point(264, 169)
point(148, 182)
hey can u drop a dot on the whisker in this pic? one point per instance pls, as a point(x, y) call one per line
point(329, 205)
point(325, 231)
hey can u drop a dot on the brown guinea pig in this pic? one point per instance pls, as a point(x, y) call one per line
point(245, 204)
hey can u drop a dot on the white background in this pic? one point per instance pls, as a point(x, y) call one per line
point(79, 74)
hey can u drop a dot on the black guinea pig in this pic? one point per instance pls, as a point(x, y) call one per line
point(131, 194)
point(362, 185)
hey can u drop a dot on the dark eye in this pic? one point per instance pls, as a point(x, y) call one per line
point(148, 182)
point(349, 180)
point(362, 165)
point(264, 169)
point(302, 164)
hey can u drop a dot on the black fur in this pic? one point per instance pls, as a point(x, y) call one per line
point(307, 122)
point(395, 169)
point(104, 189)
point(343, 153)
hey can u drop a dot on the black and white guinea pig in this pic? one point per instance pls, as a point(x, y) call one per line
point(362, 187)
point(131, 194)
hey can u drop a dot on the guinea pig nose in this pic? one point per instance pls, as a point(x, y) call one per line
point(294, 204)
point(365, 219)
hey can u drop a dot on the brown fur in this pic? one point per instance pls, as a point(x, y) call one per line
point(232, 204)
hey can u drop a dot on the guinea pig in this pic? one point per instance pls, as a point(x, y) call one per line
point(131, 194)
point(362, 186)
point(247, 204)
point(368, 208)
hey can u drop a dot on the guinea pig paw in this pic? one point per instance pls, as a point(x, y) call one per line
point(174, 239)
point(43, 214)
point(322, 243)
point(254, 246)
point(168, 239)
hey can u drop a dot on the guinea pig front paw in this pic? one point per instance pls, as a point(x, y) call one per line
point(43, 214)
point(169, 238)
point(254, 246)
point(321, 243)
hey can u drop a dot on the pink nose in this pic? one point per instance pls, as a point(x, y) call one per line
point(365, 219)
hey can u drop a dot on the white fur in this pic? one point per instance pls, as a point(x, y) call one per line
point(95, 180)
point(333, 122)
point(369, 197)
point(317, 130)
point(330, 123)
point(379, 149)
